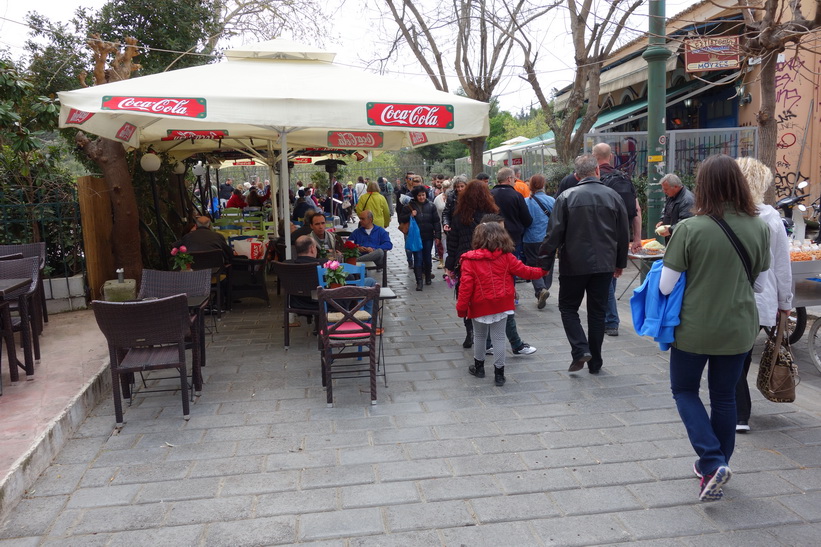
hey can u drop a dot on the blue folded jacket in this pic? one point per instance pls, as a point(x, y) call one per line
point(656, 314)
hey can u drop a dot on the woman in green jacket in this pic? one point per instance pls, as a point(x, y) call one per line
point(375, 202)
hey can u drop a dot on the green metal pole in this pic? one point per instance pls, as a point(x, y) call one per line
point(656, 56)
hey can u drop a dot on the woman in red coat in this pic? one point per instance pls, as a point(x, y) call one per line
point(486, 293)
point(236, 200)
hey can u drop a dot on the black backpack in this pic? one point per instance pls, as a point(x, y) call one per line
point(623, 186)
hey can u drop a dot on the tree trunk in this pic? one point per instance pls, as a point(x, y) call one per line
point(767, 126)
point(110, 156)
point(476, 147)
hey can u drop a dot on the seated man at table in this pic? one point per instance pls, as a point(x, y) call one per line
point(373, 241)
point(325, 241)
point(202, 238)
point(306, 253)
point(305, 229)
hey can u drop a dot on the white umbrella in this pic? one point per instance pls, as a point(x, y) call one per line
point(275, 90)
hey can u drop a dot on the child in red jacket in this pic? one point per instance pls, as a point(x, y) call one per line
point(486, 293)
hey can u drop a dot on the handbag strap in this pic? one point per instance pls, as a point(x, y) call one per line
point(738, 246)
point(539, 203)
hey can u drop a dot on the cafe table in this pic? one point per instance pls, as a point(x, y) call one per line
point(8, 286)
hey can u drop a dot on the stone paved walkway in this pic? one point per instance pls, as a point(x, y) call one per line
point(551, 458)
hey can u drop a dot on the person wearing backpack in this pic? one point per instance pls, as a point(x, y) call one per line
point(540, 206)
point(621, 183)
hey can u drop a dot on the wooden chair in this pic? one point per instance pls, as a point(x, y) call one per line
point(296, 280)
point(144, 336)
point(345, 335)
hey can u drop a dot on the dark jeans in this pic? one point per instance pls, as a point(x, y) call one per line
point(743, 404)
point(713, 436)
point(422, 259)
point(611, 317)
point(532, 259)
point(572, 289)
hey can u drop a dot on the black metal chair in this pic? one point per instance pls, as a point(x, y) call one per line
point(297, 280)
point(144, 336)
point(25, 307)
point(347, 335)
point(220, 275)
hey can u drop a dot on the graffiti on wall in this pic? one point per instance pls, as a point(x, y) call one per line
point(791, 112)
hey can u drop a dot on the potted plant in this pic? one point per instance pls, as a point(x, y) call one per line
point(180, 258)
point(350, 252)
point(335, 275)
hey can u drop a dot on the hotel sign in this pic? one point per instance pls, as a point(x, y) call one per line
point(711, 53)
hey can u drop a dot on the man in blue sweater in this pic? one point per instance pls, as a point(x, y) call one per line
point(373, 241)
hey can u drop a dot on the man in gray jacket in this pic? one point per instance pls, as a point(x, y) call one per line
point(589, 229)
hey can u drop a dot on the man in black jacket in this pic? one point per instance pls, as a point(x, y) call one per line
point(512, 207)
point(589, 228)
point(679, 204)
point(202, 238)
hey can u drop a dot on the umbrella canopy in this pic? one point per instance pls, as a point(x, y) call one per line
point(267, 89)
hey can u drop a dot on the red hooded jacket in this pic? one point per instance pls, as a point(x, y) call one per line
point(486, 282)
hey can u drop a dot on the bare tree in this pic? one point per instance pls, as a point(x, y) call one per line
point(594, 38)
point(479, 34)
point(769, 29)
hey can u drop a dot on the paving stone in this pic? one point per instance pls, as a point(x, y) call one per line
point(348, 522)
point(580, 530)
point(586, 501)
point(260, 483)
point(487, 463)
point(237, 465)
point(401, 539)
point(183, 489)
point(104, 496)
point(32, 517)
point(610, 474)
point(806, 506)
point(512, 508)
point(260, 531)
point(371, 454)
point(379, 494)
point(117, 519)
point(297, 502)
point(440, 449)
point(85, 540)
point(558, 457)
point(27, 542)
point(423, 516)
point(506, 533)
point(170, 536)
point(300, 460)
point(152, 473)
point(666, 522)
point(459, 488)
point(58, 479)
point(413, 470)
point(342, 475)
point(210, 510)
point(546, 480)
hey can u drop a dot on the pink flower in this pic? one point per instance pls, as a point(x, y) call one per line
point(334, 265)
point(327, 265)
point(174, 251)
point(183, 249)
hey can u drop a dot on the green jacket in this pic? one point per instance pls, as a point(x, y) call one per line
point(375, 202)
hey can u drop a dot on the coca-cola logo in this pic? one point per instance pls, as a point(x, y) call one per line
point(78, 117)
point(126, 132)
point(166, 106)
point(411, 115)
point(184, 134)
point(355, 139)
point(302, 160)
point(417, 138)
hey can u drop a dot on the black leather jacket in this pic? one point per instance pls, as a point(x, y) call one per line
point(678, 207)
point(589, 229)
point(427, 217)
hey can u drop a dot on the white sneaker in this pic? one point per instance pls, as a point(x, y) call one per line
point(526, 349)
point(489, 351)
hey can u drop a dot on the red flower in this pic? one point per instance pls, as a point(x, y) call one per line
point(350, 245)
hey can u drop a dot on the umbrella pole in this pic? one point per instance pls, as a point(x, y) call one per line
point(274, 208)
point(284, 184)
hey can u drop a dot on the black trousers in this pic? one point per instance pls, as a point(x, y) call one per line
point(572, 289)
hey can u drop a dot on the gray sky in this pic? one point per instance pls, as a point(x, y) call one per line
point(357, 34)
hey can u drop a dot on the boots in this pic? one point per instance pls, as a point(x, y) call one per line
point(477, 369)
point(468, 343)
point(499, 375)
point(418, 273)
point(428, 275)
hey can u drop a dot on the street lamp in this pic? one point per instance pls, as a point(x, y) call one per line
point(151, 162)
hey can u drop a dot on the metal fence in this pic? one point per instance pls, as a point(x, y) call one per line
point(54, 217)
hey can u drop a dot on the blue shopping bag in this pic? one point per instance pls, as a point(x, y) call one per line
point(413, 242)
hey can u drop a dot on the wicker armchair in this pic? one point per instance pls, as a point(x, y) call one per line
point(161, 284)
point(144, 336)
point(296, 280)
point(220, 275)
point(26, 305)
point(29, 250)
point(348, 336)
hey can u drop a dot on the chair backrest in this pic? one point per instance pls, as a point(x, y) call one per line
point(255, 233)
point(147, 323)
point(21, 268)
point(15, 256)
point(161, 284)
point(207, 259)
point(296, 279)
point(232, 212)
point(269, 226)
point(347, 301)
point(357, 270)
point(27, 250)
